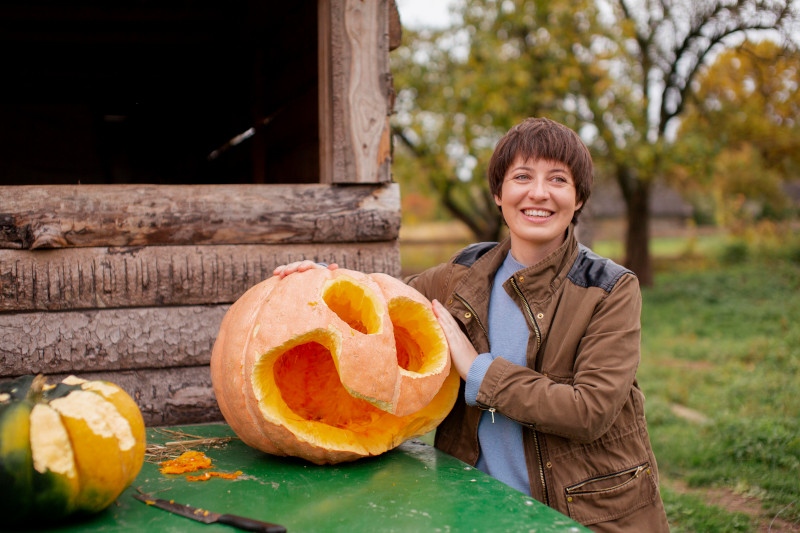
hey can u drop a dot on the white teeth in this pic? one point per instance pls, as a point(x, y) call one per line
point(537, 213)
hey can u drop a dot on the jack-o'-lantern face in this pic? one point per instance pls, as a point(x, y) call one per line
point(331, 366)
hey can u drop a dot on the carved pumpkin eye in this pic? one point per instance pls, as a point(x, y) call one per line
point(331, 366)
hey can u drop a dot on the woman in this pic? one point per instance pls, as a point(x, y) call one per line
point(545, 335)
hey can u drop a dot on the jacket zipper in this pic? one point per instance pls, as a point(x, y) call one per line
point(529, 313)
point(536, 442)
point(576, 489)
point(492, 409)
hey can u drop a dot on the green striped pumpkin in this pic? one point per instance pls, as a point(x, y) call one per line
point(66, 449)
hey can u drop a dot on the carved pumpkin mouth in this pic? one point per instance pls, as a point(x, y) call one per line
point(310, 386)
point(340, 365)
point(306, 379)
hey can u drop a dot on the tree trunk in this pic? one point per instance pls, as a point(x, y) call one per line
point(637, 238)
point(482, 218)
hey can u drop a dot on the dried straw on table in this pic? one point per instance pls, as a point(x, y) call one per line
point(157, 453)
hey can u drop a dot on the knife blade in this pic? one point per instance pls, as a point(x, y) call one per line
point(207, 517)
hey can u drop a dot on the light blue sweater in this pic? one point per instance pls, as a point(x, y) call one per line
point(502, 455)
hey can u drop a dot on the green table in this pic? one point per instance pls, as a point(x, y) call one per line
point(414, 488)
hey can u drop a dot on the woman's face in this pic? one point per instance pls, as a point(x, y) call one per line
point(538, 200)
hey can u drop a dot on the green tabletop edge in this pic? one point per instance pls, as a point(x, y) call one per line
point(413, 488)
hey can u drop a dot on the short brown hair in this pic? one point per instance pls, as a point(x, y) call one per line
point(542, 138)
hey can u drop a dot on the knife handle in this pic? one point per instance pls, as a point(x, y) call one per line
point(248, 524)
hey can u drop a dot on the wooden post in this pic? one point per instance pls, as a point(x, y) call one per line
point(355, 91)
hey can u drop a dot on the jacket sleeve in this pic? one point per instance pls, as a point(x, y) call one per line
point(604, 371)
point(432, 282)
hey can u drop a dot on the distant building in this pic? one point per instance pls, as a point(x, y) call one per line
point(606, 212)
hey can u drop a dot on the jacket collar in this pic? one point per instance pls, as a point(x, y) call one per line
point(546, 276)
point(539, 279)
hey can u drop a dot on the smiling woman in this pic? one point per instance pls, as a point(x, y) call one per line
point(545, 334)
point(540, 177)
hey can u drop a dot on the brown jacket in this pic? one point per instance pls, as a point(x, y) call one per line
point(585, 436)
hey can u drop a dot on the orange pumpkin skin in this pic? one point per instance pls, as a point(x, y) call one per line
point(331, 366)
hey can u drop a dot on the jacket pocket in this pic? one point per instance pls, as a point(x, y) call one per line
point(611, 496)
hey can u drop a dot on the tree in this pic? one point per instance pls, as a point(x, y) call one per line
point(461, 88)
point(619, 72)
point(668, 43)
point(742, 131)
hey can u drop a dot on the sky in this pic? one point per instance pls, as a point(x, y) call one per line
point(417, 14)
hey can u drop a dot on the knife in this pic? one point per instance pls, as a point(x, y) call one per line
point(207, 517)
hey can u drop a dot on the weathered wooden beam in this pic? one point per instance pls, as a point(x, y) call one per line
point(395, 26)
point(108, 339)
point(356, 95)
point(60, 216)
point(169, 396)
point(84, 278)
point(166, 396)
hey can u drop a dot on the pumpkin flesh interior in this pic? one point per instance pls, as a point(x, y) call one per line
point(419, 349)
point(355, 304)
point(297, 386)
point(99, 436)
point(310, 386)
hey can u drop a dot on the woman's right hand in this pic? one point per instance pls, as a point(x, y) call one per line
point(462, 353)
point(300, 266)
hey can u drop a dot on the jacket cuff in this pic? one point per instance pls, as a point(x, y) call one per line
point(475, 376)
point(492, 377)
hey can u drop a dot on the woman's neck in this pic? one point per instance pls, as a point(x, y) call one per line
point(528, 255)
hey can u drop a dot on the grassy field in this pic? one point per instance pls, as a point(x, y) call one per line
point(721, 372)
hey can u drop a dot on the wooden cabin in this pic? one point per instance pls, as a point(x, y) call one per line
point(158, 158)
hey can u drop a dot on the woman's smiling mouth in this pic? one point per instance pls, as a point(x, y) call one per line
point(536, 213)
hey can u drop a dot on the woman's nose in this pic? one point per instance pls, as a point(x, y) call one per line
point(538, 189)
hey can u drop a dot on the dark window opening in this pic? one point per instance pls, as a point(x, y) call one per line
point(164, 92)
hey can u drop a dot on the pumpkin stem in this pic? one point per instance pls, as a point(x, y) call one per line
point(36, 388)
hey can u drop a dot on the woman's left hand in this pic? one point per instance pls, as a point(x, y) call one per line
point(300, 266)
point(462, 353)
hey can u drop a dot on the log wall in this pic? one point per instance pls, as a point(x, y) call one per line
point(130, 283)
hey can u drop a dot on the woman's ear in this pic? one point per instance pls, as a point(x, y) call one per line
point(498, 200)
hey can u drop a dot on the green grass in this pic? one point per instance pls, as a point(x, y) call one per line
point(666, 247)
point(689, 513)
point(725, 343)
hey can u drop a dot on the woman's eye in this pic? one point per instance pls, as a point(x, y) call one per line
point(521, 177)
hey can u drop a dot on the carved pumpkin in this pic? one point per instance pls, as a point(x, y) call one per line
point(64, 449)
point(332, 366)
